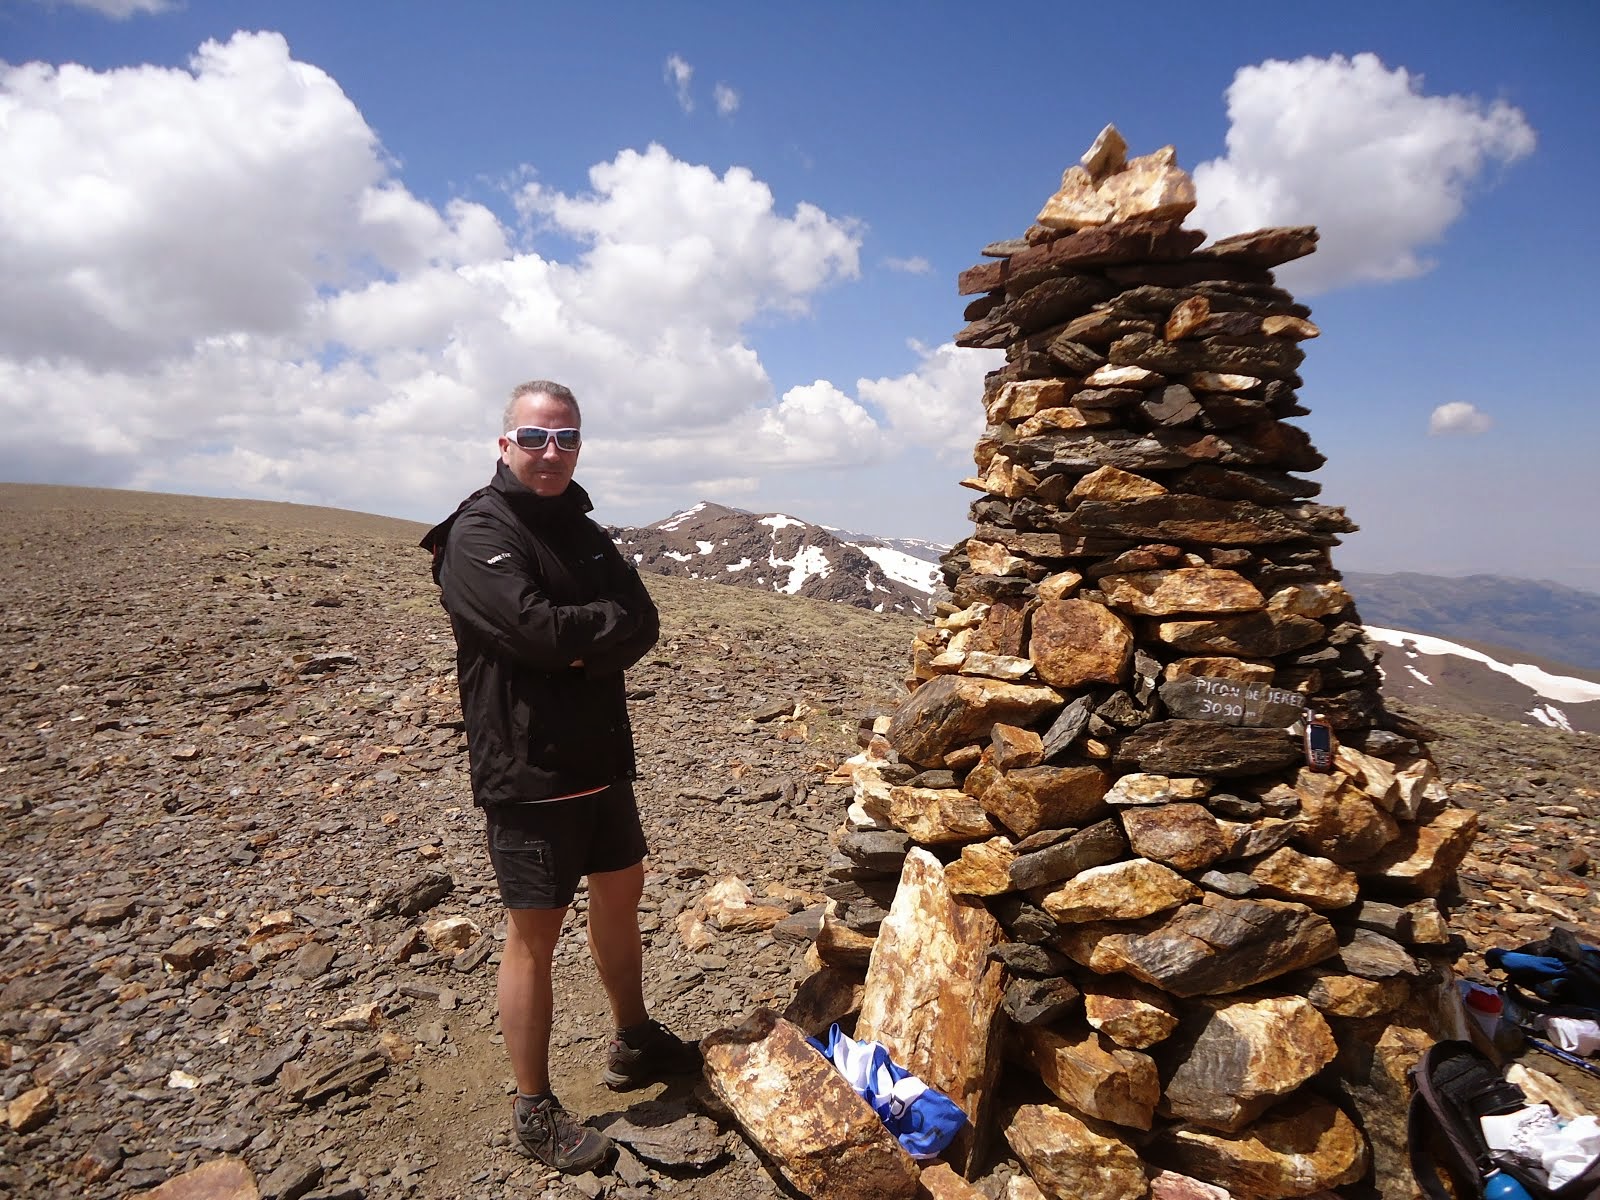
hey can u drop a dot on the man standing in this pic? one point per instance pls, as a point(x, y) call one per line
point(547, 615)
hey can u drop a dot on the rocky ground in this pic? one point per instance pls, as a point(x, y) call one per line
point(232, 786)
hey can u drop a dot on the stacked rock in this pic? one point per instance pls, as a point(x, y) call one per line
point(1216, 956)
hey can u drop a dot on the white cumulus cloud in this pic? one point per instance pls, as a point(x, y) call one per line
point(819, 425)
point(915, 265)
point(939, 405)
point(147, 207)
point(678, 74)
point(1359, 150)
point(227, 256)
point(678, 260)
point(119, 10)
point(727, 100)
point(1458, 417)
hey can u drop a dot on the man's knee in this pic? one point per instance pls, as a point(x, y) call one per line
point(533, 931)
point(617, 891)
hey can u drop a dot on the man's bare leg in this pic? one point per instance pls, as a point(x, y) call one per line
point(643, 1050)
point(525, 994)
point(614, 941)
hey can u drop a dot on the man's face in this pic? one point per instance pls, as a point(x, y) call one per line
point(543, 472)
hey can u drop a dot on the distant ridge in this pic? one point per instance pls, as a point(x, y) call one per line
point(40, 497)
point(1555, 622)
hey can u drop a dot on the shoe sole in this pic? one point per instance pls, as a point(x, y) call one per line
point(618, 1082)
point(571, 1168)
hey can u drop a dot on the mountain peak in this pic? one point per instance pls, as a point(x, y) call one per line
point(701, 510)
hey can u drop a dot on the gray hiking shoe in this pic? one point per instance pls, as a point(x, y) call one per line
point(547, 1132)
point(648, 1053)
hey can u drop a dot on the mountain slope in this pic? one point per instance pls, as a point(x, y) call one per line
point(1547, 619)
point(773, 552)
point(1495, 683)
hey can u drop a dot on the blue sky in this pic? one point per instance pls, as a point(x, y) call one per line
point(300, 251)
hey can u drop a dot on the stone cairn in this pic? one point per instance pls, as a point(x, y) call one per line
point(1089, 886)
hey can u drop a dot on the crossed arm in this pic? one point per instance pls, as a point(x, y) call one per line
point(489, 585)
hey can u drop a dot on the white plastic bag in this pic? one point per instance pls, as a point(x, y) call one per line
point(1520, 1137)
point(1569, 1153)
point(1576, 1035)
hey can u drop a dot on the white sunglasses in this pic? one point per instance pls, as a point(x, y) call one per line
point(535, 437)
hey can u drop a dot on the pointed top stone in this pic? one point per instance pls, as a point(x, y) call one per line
point(1107, 156)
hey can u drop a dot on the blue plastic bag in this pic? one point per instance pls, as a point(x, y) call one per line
point(922, 1119)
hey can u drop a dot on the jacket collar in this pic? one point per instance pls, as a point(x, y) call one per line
point(572, 502)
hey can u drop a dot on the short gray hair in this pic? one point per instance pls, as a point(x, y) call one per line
point(540, 387)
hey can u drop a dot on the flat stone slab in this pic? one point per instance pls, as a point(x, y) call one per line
point(933, 993)
point(800, 1112)
point(667, 1134)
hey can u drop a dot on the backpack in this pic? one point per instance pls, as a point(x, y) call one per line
point(434, 540)
point(1452, 1086)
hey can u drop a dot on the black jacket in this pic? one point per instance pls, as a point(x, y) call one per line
point(532, 585)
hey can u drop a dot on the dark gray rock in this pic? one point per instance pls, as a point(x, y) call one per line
point(1201, 748)
point(1091, 846)
point(409, 897)
point(1040, 1001)
point(667, 1134)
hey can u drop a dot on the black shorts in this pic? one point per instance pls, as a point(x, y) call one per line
point(540, 851)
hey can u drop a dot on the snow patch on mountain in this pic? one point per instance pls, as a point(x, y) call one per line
point(1549, 714)
point(812, 560)
point(916, 547)
point(677, 519)
point(905, 568)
